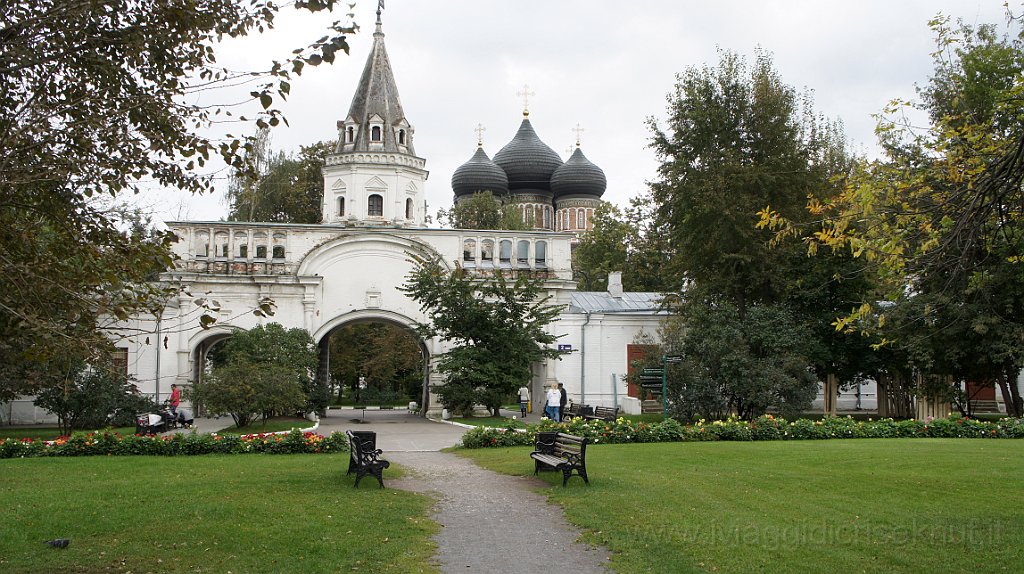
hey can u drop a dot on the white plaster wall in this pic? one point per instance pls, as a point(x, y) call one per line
point(604, 354)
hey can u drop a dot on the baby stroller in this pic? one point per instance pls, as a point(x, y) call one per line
point(150, 423)
point(162, 421)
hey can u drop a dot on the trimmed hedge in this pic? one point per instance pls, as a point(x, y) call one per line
point(766, 427)
point(115, 444)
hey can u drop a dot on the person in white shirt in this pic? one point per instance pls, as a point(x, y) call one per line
point(554, 398)
point(524, 399)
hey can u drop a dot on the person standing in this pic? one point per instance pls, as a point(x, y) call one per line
point(563, 398)
point(175, 399)
point(551, 404)
point(524, 399)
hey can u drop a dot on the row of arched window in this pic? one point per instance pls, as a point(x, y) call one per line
point(375, 206)
point(566, 217)
point(221, 246)
point(525, 251)
point(376, 135)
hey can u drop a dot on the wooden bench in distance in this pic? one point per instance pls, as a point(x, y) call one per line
point(604, 414)
point(575, 410)
point(563, 452)
point(365, 460)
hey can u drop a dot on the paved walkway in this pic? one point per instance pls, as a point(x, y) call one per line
point(489, 522)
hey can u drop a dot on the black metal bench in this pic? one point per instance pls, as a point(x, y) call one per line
point(563, 452)
point(603, 414)
point(364, 459)
point(576, 410)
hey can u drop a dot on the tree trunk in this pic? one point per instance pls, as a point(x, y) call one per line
point(1011, 395)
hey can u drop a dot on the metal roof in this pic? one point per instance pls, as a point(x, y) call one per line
point(603, 302)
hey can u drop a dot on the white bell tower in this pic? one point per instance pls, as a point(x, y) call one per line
point(374, 178)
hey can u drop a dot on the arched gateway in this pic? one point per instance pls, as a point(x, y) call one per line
point(349, 268)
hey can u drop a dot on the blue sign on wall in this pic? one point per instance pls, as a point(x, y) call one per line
point(565, 347)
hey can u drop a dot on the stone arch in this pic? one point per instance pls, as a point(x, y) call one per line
point(322, 337)
point(201, 343)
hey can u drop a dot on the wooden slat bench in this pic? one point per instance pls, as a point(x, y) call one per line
point(603, 414)
point(363, 459)
point(563, 452)
point(575, 410)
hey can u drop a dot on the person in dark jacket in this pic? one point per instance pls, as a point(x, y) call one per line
point(562, 401)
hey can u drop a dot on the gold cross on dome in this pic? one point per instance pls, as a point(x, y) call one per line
point(480, 129)
point(525, 93)
point(578, 130)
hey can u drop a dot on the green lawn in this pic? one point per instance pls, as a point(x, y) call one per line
point(275, 424)
point(245, 513)
point(878, 505)
point(498, 422)
point(48, 433)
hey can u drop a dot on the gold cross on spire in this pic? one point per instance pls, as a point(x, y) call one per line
point(525, 93)
point(578, 130)
point(480, 129)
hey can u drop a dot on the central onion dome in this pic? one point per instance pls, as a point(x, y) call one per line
point(479, 174)
point(527, 161)
point(578, 177)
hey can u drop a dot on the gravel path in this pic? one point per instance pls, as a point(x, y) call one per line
point(493, 522)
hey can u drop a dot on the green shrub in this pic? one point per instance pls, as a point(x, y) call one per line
point(766, 427)
point(184, 444)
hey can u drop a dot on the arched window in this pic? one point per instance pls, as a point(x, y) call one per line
point(487, 250)
point(408, 208)
point(350, 135)
point(341, 206)
point(523, 253)
point(261, 252)
point(547, 218)
point(375, 206)
point(540, 252)
point(279, 252)
point(375, 133)
point(202, 245)
point(469, 250)
point(581, 219)
point(242, 244)
point(401, 137)
point(505, 251)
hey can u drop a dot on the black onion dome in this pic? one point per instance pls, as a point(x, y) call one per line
point(527, 161)
point(479, 174)
point(577, 176)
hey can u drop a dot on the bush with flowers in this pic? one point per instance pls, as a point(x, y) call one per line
point(184, 444)
point(766, 427)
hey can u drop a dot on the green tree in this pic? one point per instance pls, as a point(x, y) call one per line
point(245, 390)
point(626, 241)
point(89, 398)
point(737, 139)
point(387, 355)
point(497, 329)
point(733, 363)
point(938, 218)
point(284, 188)
point(291, 353)
point(99, 100)
point(482, 210)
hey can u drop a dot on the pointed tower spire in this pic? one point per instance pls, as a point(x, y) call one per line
point(374, 178)
point(376, 120)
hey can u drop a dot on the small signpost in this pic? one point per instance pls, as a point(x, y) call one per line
point(655, 379)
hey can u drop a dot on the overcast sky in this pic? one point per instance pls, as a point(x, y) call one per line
point(606, 66)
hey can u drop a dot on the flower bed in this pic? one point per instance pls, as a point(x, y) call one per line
point(109, 443)
point(766, 427)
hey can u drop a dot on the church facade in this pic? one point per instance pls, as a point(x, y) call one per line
point(349, 268)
